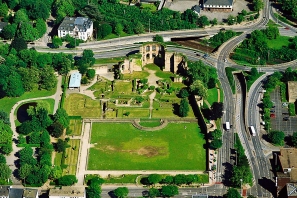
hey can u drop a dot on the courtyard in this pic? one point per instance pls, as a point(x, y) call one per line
point(120, 146)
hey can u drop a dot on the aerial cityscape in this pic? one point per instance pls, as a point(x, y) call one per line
point(148, 98)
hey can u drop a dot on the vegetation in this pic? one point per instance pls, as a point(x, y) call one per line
point(277, 137)
point(232, 193)
point(94, 187)
point(121, 192)
point(221, 37)
point(144, 148)
point(183, 108)
point(290, 8)
point(294, 139)
point(230, 77)
point(292, 111)
point(252, 76)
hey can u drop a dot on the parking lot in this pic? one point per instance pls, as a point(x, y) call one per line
point(281, 112)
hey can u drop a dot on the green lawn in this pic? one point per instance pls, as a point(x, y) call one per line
point(159, 73)
point(150, 123)
point(149, 6)
point(109, 60)
point(123, 147)
point(136, 74)
point(212, 95)
point(272, 24)
point(58, 159)
point(279, 42)
point(75, 126)
point(81, 105)
point(7, 103)
point(126, 179)
point(71, 157)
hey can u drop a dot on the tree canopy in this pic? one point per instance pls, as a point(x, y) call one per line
point(277, 137)
point(121, 192)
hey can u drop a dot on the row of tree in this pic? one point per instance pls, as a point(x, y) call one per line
point(179, 179)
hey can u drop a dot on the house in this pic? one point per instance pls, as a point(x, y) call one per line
point(200, 196)
point(30, 193)
point(78, 27)
point(4, 191)
point(218, 5)
point(286, 180)
point(2, 25)
point(16, 193)
point(74, 82)
point(196, 9)
point(68, 192)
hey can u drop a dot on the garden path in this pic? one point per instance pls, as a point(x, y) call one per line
point(84, 89)
point(152, 96)
point(12, 157)
point(152, 81)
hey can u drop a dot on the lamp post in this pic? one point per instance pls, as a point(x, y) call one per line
point(277, 16)
point(240, 187)
point(149, 25)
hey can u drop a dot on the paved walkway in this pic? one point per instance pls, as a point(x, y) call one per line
point(152, 81)
point(12, 157)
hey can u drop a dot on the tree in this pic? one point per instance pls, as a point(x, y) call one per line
point(118, 29)
point(14, 86)
point(18, 44)
point(153, 192)
point(231, 20)
point(180, 179)
point(24, 171)
point(39, 10)
point(40, 27)
point(244, 12)
point(34, 138)
point(61, 145)
point(239, 18)
point(169, 191)
point(27, 32)
point(91, 73)
point(2, 159)
point(56, 129)
point(138, 28)
point(241, 172)
point(232, 193)
point(67, 180)
point(216, 134)
point(168, 179)
point(9, 31)
point(198, 88)
point(121, 192)
point(154, 178)
point(184, 93)
point(294, 139)
point(3, 9)
point(57, 42)
point(217, 110)
point(203, 21)
point(61, 116)
point(48, 80)
point(5, 171)
point(216, 143)
point(158, 38)
point(20, 17)
point(4, 117)
point(277, 137)
point(258, 5)
point(104, 30)
point(183, 107)
point(214, 21)
point(30, 77)
point(56, 172)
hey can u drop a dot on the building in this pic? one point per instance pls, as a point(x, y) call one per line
point(200, 196)
point(196, 9)
point(68, 192)
point(4, 191)
point(16, 193)
point(78, 27)
point(286, 181)
point(74, 82)
point(30, 193)
point(2, 25)
point(292, 91)
point(218, 5)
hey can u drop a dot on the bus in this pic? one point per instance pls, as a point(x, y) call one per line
point(227, 125)
point(253, 131)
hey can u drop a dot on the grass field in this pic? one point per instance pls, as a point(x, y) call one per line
point(148, 123)
point(159, 73)
point(81, 105)
point(72, 157)
point(123, 147)
point(7, 103)
point(137, 74)
point(58, 159)
point(279, 42)
point(75, 126)
point(126, 179)
point(109, 60)
point(212, 95)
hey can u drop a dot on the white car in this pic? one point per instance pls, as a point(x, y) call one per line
point(225, 60)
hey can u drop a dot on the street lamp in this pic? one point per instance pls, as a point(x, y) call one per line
point(240, 187)
point(277, 16)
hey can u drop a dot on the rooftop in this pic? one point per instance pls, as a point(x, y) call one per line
point(292, 91)
point(30, 193)
point(200, 196)
point(81, 23)
point(16, 193)
point(3, 24)
point(288, 158)
point(75, 79)
point(68, 191)
point(218, 2)
point(291, 189)
point(4, 190)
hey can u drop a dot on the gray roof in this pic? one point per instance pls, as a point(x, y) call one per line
point(75, 79)
point(30, 193)
point(4, 191)
point(218, 2)
point(200, 196)
point(196, 8)
point(3, 24)
point(16, 193)
point(291, 189)
point(81, 23)
point(77, 191)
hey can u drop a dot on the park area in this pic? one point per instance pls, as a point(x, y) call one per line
point(179, 146)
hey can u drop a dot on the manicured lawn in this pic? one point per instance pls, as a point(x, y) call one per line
point(221, 92)
point(126, 179)
point(212, 95)
point(71, 157)
point(137, 74)
point(75, 126)
point(134, 112)
point(159, 73)
point(7, 103)
point(109, 60)
point(81, 105)
point(279, 42)
point(148, 123)
point(123, 147)
point(272, 24)
point(58, 159)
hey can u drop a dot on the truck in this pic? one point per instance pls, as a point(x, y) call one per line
point(227, 125)
point(253, 131)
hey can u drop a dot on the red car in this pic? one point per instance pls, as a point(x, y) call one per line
point(286, 28)
point(272, 115)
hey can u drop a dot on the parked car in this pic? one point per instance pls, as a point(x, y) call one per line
point(286, 28)
point(272, 115)
point(285, 118)
point(272, 111)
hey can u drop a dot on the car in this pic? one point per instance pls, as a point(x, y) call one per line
point(286, 28)
point(225, 60)
point(272, 115)
point(285, 113)
point(272, 111)
point(273, 106)
point(205, 56)
point(285, 118)
point(222, 29)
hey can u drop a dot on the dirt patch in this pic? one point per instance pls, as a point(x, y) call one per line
point(148, 151)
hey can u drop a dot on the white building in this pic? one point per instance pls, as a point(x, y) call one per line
point(79, 27)
point(74, 82)
point(68, 192)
